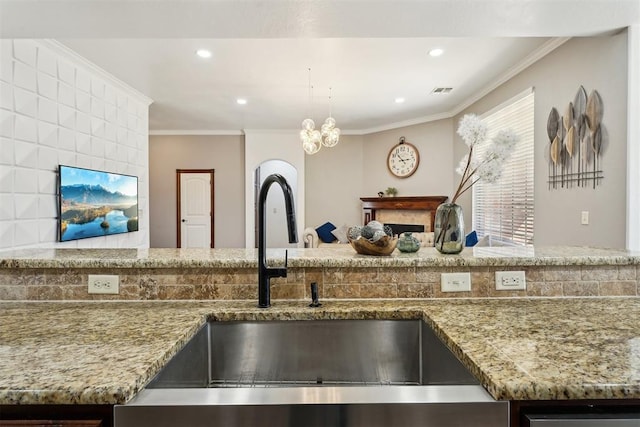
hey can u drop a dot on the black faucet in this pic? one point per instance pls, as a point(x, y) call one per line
point(264, 273)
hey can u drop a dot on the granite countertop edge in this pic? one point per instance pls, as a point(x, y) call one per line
point(500, 376)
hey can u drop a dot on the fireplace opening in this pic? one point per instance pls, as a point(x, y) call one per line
point(398, 229)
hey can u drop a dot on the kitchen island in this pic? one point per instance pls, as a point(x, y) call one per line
point(523, 347)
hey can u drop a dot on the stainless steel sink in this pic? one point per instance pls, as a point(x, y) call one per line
point(314, 373)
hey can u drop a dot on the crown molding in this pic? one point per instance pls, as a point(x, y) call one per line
point(191, 132)
point(72, 56)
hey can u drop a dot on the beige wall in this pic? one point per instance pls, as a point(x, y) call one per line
point(225, 154)
point(334, 183)
point(433, 177)
point(596, 63)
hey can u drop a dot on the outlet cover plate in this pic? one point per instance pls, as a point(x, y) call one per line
point(510, 281)
point(455, 282)
point(104, 284)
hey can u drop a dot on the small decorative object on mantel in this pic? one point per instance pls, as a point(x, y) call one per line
point(449, 223)
point(408, 243)
point(391, 191)
point(576, 141)
point(372, 239)
point(380, 193)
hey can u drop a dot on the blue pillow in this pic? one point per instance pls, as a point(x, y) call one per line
point(324, 232)
point(472, 239)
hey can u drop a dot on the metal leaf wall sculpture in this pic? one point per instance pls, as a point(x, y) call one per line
point(575, 142)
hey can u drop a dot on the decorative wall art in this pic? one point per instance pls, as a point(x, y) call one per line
point(576, 140)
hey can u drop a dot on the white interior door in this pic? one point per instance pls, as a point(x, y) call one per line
point(195, 210)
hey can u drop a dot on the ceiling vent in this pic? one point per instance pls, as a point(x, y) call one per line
point(442, 90)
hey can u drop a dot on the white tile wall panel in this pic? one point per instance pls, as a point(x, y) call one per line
point(47, 110)
point(66, 116)
point(48, 230)
point(83, 161)
point(26, 233)
point(47, 86)
point(97, 87)
point(6, 234)
point(47, 63)
point(7, 120)
point(6, 95)
point(47, 158)
point(81, 118)
point(99, 164)
point(67, 72)
point(47, 134)
point(83, 123)
point(6, 151)
point(47, 206)
point(48, 181)
point(24, 76)
point(97, 147)
point(110, 150)
point(97, 127)
point(26, 206)
point(6, 64)
point(83, 143)
point(83, 102)
point(110, 95)
point(26, 154)
point(97, 107)
point(6, 179)
point(25, 50)
point(83, 80)
point(110, 113)
point(66, 139)
point(25, 181)
point(26, 128)
point(67, 157)
point(26, 102)
point(109, 131)
point(6, 207)
point(66, 94)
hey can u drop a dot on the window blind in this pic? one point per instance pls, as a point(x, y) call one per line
point(504, 209)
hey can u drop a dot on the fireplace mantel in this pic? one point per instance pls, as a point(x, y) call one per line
point(371, 205)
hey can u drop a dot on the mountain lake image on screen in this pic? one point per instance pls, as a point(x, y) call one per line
point(94, 203)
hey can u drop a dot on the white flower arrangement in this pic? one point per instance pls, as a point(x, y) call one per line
point(489, 167)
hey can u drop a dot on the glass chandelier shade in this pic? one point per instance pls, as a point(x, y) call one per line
point(312, 138)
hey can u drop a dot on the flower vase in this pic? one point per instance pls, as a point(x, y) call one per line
point(449, 229)
point(408, 243)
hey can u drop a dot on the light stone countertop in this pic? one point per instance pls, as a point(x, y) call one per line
point(333, 256)
point(520, 349)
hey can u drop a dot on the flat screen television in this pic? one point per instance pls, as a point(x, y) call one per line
point(94, 203)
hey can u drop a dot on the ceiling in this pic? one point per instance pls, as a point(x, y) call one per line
point(368, 52)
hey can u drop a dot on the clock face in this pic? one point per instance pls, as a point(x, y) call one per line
point(403, 160)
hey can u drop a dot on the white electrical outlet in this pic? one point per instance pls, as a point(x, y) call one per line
point(455, 282)
point(510, 281)
point(104, 284)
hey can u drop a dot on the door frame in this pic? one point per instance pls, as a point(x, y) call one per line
point(211, 173)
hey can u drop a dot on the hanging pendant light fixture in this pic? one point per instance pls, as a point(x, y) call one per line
point(330, 133)
point(311, 137)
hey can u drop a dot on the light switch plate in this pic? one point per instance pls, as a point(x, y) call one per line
point(455, 282)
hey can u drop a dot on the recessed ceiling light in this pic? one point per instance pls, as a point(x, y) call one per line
point(241, 101)
point(436, 52)
point(399, 100)
point(203, 53)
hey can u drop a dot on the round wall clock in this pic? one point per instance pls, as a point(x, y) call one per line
point(403, 159)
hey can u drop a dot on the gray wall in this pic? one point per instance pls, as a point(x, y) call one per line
point(225, 154)
point(596, 63)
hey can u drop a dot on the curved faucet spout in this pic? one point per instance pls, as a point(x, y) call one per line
point(264, 273)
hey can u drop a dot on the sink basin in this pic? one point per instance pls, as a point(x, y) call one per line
point(314, 373)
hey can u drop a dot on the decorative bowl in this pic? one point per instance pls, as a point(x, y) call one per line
point(382, 247)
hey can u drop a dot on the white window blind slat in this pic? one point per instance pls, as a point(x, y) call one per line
point(504, 210)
